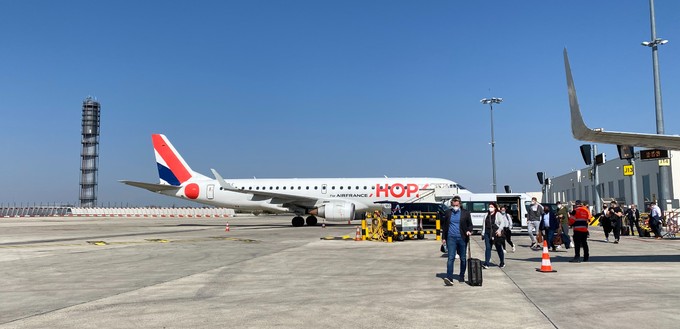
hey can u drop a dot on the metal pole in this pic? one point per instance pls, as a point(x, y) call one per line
point(596, 189)
point(493, 151)
point(664, 193)
point(633, 183)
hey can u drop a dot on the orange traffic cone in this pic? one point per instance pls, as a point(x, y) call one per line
point(357, 237)
point(226, 229)
point(545, 260)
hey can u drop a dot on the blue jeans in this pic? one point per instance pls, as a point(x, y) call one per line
point(487, 251)
point(551, 236)
point(455, 245)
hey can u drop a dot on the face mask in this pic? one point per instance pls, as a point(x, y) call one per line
point(455, 208)
point(492, 209)
point(502, 212)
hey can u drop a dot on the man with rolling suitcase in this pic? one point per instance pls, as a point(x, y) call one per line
point(456, 231)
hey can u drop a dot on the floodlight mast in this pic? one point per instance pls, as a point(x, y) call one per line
point(491, 101)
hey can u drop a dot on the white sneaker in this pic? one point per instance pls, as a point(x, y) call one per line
point(457, 256)
point(559, 247)
point(571, 244)
point(505, 251)
point(606, 240)
point(513, 248)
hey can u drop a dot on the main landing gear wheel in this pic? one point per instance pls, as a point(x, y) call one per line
point(311, 221)
point(298, 221)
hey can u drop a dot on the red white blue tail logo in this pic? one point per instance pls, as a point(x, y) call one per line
point(172, 169)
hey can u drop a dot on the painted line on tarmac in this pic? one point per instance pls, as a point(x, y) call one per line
point(344, 237)
point(109, 243)
point(99, 237)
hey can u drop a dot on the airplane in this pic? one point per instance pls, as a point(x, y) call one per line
point(581, 132)
point(335, 199)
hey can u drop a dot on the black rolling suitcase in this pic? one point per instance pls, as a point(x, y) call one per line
point(474, 269)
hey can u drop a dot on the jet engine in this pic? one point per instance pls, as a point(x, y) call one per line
point(335, 211)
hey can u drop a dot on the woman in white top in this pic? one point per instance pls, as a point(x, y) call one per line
point(492, 232)
point(508, 227)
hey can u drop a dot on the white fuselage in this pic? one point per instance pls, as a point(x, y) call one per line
point(362, 192)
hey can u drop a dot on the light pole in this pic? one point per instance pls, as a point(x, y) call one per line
point(491, 101)
point(665, 192)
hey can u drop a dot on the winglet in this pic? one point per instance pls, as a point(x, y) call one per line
point(578, 127)
point(221, 180)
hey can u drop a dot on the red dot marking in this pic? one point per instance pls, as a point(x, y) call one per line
point(191, 191)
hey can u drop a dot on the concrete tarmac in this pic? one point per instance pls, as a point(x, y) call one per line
point(190, 273)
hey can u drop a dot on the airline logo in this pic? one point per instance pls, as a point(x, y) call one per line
point(171, 169)
point(394, 191)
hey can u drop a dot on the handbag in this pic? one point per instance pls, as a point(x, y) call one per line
point(539, 237)
point(557, 240)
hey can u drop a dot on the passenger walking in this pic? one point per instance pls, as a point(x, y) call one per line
point(579, 222)
point(615, 215)
point(508, 227)
point(633, 215)
point(534, 215)
point(456, 231)
point(563, 217)
point(606, 221)
point(492, 233)
point(549, 225)
point(655, 220)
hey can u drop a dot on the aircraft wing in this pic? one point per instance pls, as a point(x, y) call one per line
point(151, 187)
point(582, 132)
point(276, 197)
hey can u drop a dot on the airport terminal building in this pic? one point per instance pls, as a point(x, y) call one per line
point(579, 184)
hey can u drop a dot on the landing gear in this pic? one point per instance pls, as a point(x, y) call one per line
point(298, 221)
point(311, 221)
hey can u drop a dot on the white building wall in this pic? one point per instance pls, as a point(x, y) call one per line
point(574, 185)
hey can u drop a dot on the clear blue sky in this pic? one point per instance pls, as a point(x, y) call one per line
point(320, 88)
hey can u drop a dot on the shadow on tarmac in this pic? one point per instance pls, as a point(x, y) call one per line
point(607, 259)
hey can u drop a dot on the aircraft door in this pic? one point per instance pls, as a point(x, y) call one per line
point(210, 192)
point(323, 188)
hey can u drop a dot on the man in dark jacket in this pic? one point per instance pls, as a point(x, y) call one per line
point(456, 231)
point(549, 225)
point(633, 215)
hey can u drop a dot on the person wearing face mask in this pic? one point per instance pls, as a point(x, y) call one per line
point(606, 221)
point(563, 217)
point(508, 227)
point(549, 225)
point(456, 231)
point(534, 215)
point(492, 233)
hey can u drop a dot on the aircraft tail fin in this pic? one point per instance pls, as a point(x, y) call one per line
point(172, 169)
